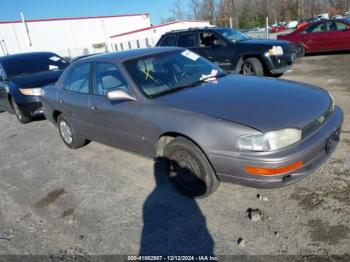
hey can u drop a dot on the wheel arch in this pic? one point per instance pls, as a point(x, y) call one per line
point(55, 115)
point(166, 138)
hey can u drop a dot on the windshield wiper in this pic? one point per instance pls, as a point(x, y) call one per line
point(196, 83)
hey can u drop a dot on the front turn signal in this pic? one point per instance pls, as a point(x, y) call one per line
point(262, 171)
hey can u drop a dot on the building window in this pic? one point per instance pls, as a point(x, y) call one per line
point(147, 43)
point(138, 43)
point(129, 44)
point(121, 46)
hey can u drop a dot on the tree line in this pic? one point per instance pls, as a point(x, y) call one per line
point(252, 13)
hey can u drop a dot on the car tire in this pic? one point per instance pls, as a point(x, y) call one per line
point(19, 114)
point(277, 75)
point(252, 67)
point(300, 50)
point(188, 169)
point(68, 135)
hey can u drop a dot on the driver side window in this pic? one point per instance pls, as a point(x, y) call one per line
point(107, 77)
point(322, 27)
point(207, 39)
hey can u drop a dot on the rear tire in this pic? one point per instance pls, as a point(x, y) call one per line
point(252, 67)
point(188, 169)
point(19, 114)
point(68, 135)
point(300, 50)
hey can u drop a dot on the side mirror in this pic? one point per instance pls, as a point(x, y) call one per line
point(119, 94)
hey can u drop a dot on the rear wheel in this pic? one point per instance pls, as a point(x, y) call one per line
point(19, 114)
point(300, 50)
point(252, 67)
point(188, 169)
point(69, 137)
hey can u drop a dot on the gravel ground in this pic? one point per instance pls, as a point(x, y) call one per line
point(100, 200)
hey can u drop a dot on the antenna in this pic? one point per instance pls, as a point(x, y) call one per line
point(26, 28)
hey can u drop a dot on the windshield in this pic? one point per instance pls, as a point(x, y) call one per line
point(28, 64)
point(169, 72)
point(231, 35)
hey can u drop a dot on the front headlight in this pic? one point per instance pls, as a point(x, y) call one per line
point(276, 50)
point(30, 91)
point(269, 141)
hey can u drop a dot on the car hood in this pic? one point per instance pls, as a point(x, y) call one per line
point(265, 42)
point(261, 103)
point(37, 80)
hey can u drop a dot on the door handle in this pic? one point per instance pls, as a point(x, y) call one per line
point(93, 108)
point(60, 101)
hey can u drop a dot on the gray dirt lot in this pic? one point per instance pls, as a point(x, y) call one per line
point(100, 200)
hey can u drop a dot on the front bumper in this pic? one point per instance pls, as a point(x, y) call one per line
point(313, 150)
point(32, 110)
point(280, 64)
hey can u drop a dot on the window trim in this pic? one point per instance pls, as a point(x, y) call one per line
point(195, 44)
point(69, 74)
point(168, 36)
point(93, 77)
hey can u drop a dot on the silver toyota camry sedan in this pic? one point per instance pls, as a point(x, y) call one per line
point(204, 125)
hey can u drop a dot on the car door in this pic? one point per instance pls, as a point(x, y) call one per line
point(73, 99)
point(316, 36)
point(4, 91)
point(339, 35)
point(214, 48)
point(117, 122)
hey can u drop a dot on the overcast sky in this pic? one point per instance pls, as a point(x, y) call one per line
point(37, 9)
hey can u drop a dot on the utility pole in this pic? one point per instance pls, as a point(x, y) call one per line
point(235, 12)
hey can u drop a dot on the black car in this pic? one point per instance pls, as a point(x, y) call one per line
point(235, 51)
point(22, 77)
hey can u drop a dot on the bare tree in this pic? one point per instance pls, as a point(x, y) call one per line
point(178, 10)
point(195, 6)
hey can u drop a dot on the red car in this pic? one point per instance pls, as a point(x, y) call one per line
point(278, 28)
point(321, 36)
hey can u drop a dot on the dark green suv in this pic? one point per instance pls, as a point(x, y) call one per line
point(235, 51)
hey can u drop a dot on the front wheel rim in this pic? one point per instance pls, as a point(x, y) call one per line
point(247, 69)
point(66, 132)
point(183, 171)
point(299, 50)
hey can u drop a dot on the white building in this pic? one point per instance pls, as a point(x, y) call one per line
point(67, 36)
point(149, 36)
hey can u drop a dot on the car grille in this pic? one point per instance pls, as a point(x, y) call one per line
point(288, 49)
point(311, 127)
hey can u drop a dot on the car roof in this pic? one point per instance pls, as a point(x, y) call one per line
point(195, 29)
point(27, 55)
point(129, 54)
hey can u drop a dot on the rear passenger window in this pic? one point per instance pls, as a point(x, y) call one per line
point(167, 41)
point(78, 79)
point(186, 40)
